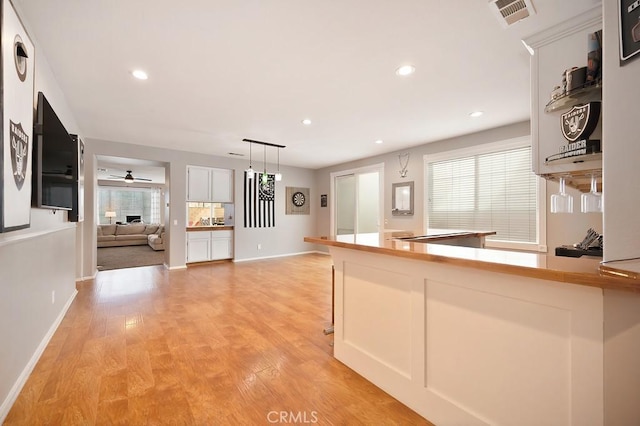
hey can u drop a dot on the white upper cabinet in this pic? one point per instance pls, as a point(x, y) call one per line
point(206, 184)
point(198, 183)
point(556, 50)
point(222, 183)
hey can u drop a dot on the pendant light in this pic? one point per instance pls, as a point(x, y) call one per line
point(250, 170)
point(265, 176)
point(278, 174)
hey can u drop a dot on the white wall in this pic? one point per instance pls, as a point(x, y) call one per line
point(621, 133)
point(561, 229)
point(285, 238)
point(34, 262)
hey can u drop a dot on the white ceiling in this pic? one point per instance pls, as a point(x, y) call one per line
point(220, 71)
point(115, 168)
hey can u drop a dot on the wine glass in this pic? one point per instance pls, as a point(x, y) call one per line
point(561, 202)
point(591, 202)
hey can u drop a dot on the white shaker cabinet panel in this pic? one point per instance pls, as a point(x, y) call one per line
point(198, 246)
point(222, 185)
point(199, 184)
point(220, 248)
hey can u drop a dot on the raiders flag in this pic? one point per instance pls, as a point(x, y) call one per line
point(16, 86)
point(259, 201)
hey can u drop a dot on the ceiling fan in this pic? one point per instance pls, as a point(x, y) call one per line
point(129, 177)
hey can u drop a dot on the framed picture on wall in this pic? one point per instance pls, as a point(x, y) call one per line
point(629, 26)
point(16, 84)
point(298, 200)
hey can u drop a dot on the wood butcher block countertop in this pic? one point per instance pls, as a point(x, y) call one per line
point(583, 271)
point(210, 228)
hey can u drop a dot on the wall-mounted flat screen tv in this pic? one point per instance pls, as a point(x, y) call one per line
point(55, 170)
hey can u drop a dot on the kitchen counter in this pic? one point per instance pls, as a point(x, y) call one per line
point(582, 271)
point(629, 268)
point(482, 336)
point(210, 228)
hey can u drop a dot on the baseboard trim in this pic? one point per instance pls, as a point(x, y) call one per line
point(22, 379)
point(175, 268)
point(91, 277)
point(276, 256)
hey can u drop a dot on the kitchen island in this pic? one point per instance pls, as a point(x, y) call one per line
point(479, 336)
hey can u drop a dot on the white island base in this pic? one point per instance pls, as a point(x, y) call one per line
point(465, 346)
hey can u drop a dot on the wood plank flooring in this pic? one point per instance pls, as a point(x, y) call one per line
point(226, 343)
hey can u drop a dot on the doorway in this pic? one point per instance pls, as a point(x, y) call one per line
point(129, 212)
point(358, 201)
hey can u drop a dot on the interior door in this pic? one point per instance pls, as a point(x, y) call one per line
point(357, 203)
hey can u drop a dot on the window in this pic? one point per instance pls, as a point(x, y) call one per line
point(144, 202)
point(488, 188)
point(209, 214)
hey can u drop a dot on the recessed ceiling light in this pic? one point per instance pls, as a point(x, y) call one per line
point(139, 74)
point(379, 141)
point(476, 114)
point(406, 70)
point(306, 122)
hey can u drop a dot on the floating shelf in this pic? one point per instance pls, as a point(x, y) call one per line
point(580, 180)
point(576, 159)
point(590, 93)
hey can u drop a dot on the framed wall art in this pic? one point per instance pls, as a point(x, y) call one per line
point(297, 200)
point(629, 26)
point(16, 85)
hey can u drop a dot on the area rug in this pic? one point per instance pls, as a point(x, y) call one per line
point(128, 257)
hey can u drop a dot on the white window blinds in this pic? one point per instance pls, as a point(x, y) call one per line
point(143, 202)
point(491, 191)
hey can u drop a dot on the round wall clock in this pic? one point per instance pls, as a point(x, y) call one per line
point(298, 199)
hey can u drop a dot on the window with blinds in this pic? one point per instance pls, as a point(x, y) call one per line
point(488, 190)
point(143, 202)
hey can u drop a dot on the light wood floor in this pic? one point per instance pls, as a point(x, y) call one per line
point(214, 344)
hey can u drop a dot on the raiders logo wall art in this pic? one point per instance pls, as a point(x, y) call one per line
point(577, 125)
point(17, 81)
point(580, 121)
point(629, 25)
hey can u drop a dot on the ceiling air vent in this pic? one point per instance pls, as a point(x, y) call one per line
point(511, 11)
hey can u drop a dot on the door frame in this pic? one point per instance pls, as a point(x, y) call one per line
point(378, 167)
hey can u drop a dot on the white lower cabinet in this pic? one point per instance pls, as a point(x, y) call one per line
point(220, 246)
point(209, 245)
